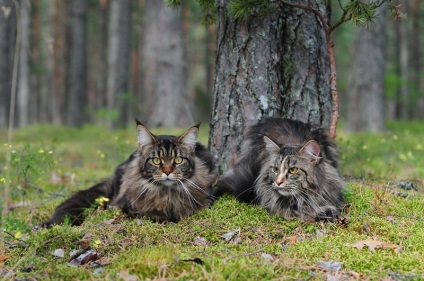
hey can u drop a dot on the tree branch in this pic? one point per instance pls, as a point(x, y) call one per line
point(309, 8)
point(344, 18)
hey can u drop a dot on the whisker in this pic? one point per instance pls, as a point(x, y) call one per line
point(189, 195)
point(196, 186)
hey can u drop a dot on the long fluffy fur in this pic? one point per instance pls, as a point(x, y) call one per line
point(131, 190)
point(248, 179)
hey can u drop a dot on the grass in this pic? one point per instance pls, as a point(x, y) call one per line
point(49, 163)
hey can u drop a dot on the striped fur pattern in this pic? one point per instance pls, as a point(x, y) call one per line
point(167, 178)
point(288, 168)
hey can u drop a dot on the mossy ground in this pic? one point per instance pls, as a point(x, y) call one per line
point(49, 163)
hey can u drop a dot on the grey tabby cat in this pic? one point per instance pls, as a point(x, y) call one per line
point(289, 169)
point(167, 178)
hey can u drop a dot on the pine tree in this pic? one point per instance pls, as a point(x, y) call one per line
point(275, 58)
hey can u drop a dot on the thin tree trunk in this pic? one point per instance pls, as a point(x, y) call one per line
point(35, 77)
point(405, 110)
point(44, 61)
point(59, 18)
point(24, 71)
point(7, 47)
point(276, 65)
point(164, 100)
point(210, 60)
point(119, 55)
point(102, 55)
point(396, 101)
point(366, 89)
point(77, 64)
point(416, 54)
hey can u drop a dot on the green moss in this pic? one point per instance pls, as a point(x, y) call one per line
point(266, 247)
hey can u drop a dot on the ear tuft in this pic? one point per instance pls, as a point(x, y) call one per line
point(189, 138)
point(311, 150)
point(145, 138)
point(271, 146)
point(138, 122)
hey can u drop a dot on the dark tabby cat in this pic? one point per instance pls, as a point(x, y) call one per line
point(167, 178)
point(289, 169)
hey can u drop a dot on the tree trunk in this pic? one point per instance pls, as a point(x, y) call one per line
point(164, 95)
point(42, 61)
point(210, 60)
point(405, 102)
point(102, 55)
point(416, 53)
point(275, 65)
point(366, 90)
point(59, 18)
point(7, 50)
point(77, 72)
point(23, 89)
point(119, 55)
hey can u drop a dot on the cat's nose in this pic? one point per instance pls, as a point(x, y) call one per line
point(167, 170)
point(279, 180)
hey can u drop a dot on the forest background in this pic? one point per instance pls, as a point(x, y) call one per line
point(111, 61)
point(104, 62)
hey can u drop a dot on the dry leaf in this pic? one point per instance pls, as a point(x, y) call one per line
point(230, 235)
point(406, 185)
point(58, 253)
point(84, 258)
point(109, 222)
point(372, 245)
point(330, 265)
point(87, 236)
point(3, 258)
point(267, 256)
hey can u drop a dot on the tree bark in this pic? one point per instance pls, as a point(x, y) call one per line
point(416, 54)
point(210, 60)
point(59, 17)
point(164, 96)
point(23, 89)
point(7, 51)
point(101, 54)
point(366, 90)
point(405, 95)
point(276, 65)
point(77, 92)
point(119, 55)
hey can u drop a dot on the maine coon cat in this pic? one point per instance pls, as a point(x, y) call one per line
point(167, 178)
point(289, 169)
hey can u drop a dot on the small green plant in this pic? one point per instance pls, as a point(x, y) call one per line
point(30, 164)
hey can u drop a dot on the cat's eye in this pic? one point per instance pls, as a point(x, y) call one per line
point(178, 160)
point(156, 161)
point(293, 170)
point(275, 169)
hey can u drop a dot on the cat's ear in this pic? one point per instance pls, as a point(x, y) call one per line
point(145, 138)
point(271, 146)
point(311, 151)
point(189, 138)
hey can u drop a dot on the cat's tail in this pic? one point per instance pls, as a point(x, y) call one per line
point(239, 182)
point(74, 207)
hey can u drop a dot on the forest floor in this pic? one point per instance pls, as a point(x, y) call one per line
point(379, 236)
